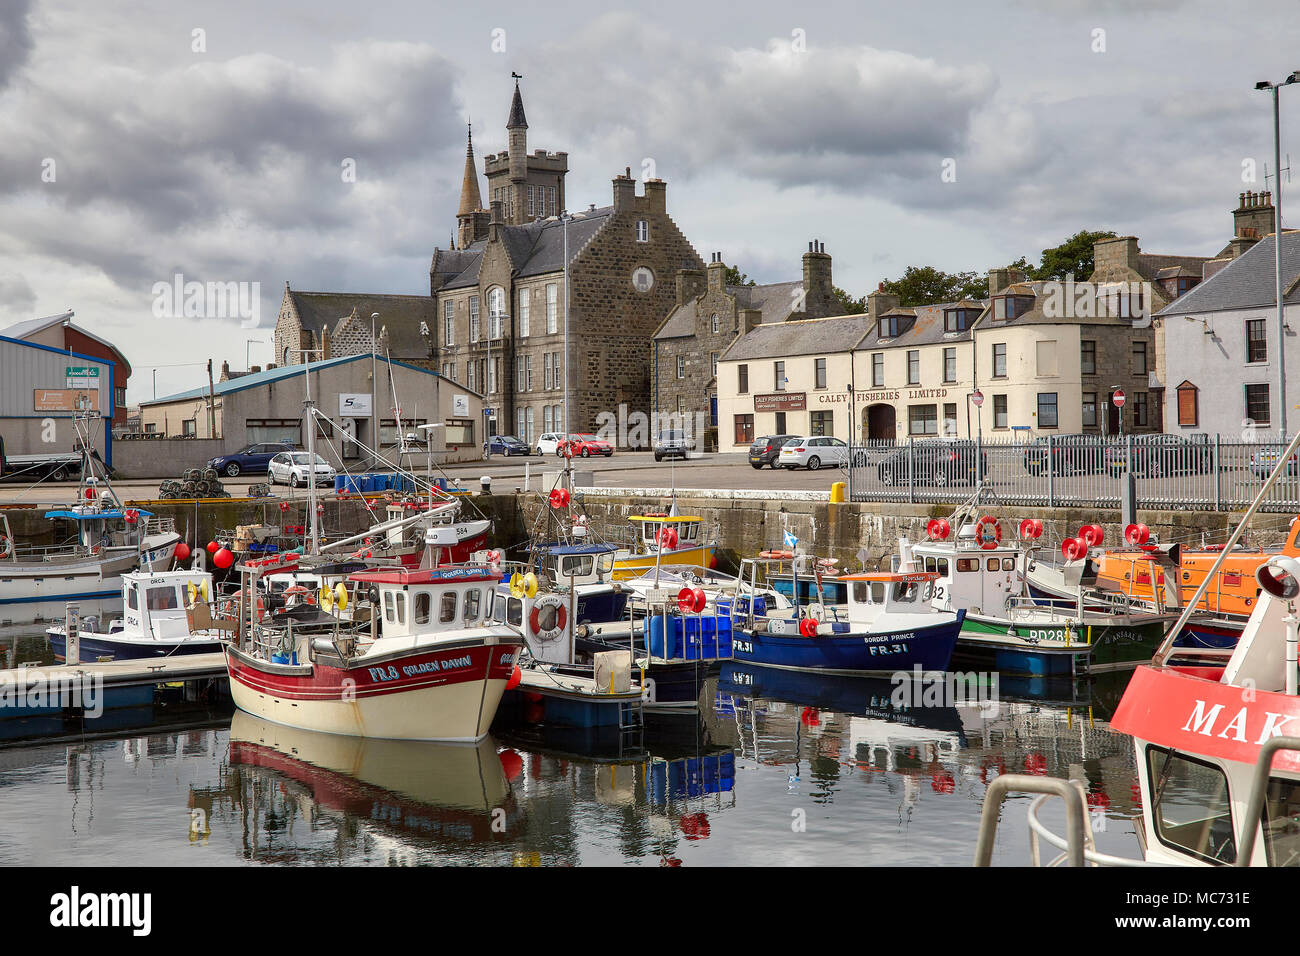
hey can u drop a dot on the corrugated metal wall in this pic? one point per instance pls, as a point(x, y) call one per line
point(24, 369)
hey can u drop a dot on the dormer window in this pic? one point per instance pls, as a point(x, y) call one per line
point(959, 320)
point(1008, 307)
point(895, 325)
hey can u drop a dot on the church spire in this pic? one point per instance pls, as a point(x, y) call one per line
point(470, 200)
point(517, 118)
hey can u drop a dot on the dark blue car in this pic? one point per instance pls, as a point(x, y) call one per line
point(252, 460)
point(505, 445)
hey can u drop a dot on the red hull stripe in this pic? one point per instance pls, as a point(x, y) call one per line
point(1206, 718)
point(394, 676)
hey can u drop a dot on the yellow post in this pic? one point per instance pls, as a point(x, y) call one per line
point(838, 492)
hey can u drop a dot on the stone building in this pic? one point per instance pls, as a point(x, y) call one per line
point(708, 317)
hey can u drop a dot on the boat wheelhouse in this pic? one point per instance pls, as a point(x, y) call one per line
point(158, 620)
point(428, 662)
point(889, 624)
point(667, 539)
point(588, 570)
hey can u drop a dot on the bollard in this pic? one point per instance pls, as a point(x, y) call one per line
point(527, 468)
point(837, 493)
point(486, 484)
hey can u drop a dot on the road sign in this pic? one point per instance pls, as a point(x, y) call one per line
point(977, 397)
point(1118, 398)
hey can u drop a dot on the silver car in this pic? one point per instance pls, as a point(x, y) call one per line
point(812, 452)
point(293, 468)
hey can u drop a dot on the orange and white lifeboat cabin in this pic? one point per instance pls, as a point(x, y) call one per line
point(1200, 732)
point(428, 662)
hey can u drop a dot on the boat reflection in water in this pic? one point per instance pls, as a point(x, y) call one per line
point(374, 794)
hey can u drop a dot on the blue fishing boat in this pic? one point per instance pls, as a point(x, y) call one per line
point(887, 625)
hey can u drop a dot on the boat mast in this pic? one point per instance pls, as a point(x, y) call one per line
point(309, 409)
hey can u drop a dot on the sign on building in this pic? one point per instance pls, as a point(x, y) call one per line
point(781, 402)
point(82, 376)
point(460, 405)
point(354, 405)
point(64, 399)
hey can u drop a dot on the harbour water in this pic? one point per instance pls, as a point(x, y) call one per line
point(776, 769)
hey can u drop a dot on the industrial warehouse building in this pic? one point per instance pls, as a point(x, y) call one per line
point(267, 406)
point(41, 388)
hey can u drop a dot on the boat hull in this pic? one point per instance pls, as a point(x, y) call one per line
point(24, 587)
point(880, 653)
point(95, 646)
point(1054, 648)
point(446, 693)
point(635, 565)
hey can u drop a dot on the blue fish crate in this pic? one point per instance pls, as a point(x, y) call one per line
point(704, 637)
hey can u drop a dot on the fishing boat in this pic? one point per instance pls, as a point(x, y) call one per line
point(666, 538)
point(888, 625)
point(158, 620)
point(427, 663)
point(586, 569)
point(1005, 627)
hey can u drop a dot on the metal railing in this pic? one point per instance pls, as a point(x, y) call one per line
point(1202, 473)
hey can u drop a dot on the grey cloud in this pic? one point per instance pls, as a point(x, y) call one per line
point(15, 37)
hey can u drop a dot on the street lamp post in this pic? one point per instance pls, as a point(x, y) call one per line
point(1277, 241)
point(374, 388)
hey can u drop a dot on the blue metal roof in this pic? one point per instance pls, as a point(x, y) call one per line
point(94, 515)
point(579, 548)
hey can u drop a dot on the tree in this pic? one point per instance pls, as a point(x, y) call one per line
point(847, 304)
point(926, 285)
point(736, 277)
point(1072, 257)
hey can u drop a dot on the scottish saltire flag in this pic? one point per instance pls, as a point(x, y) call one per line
point(791, 541)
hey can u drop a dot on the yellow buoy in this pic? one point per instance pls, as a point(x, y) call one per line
point(516, 585)
point(530, 584)
point(326, 598)
point(341, 596)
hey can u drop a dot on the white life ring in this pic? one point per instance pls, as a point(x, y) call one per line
point(557, 620)
point(6, 547)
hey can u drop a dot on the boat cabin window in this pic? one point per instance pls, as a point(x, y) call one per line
point(401, 607)
point(447, 613)
point(868, 592)
point(605, 563)
point(422, 606)
point(992, 564)
point(968, 564)
point(472, 600)
point(649, 530)
point(388, 605)
point(515, 611)
point(161, 599)
point(1008, 564)
point(1281, 811)
point(690, 531)
point(1190, 806)
point(905, 592)
point(578, 565)
point(937, 565)
point(132, 599)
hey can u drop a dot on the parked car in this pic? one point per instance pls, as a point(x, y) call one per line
point(1265, 459)
point(294, 468)
point(586, 445)
point(505, 445)
point(251, 460)
point(672, 444)
point(1071, 454)
point(1156, 455)
point(932, 462)
point(549, 443)
point(812, 452)
point(767, 448)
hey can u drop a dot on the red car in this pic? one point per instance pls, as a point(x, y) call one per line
point(584, 446)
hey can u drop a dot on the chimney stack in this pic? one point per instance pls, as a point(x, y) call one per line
point(818, 291)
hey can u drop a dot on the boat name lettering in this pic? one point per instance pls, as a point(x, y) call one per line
point(446, 665)
point(383, 673)
point(1201, 721)
point(889, 638)
point(745, 647)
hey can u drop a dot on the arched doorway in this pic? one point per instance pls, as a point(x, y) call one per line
point(880, 423)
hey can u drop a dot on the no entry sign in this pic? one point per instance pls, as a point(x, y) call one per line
point(1118, 398)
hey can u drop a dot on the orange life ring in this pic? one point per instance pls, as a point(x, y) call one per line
point(6, 547)
point(561, 617)
point(988, 544)
point(776, 554)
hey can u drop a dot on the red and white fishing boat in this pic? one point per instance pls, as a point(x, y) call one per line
point(427, 662)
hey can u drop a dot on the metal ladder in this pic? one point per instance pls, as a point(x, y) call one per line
point(631, 727)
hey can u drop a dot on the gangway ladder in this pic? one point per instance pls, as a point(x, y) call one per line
point(631, 727)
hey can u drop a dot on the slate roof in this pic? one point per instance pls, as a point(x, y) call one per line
point(800, 337)
point(772, 300)
point(536, 248)
point(400, 314)
point(1247, 282)
point(926, 329)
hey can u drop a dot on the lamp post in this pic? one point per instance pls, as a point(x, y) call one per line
point(1277, 241)
point(374, 388)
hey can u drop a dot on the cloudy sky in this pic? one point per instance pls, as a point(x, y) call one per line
point(212, 140)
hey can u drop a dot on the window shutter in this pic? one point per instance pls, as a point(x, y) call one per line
point(1187, 410)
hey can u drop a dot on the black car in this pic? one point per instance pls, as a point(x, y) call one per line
point(1156, 455)
point(1071, 454)
point(767, 448)
point(252, 460)
point(505, 445)
point(938, 463)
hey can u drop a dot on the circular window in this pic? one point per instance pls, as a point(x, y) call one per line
point(643, 279)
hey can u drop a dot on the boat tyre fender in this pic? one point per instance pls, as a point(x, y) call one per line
point(557, 621)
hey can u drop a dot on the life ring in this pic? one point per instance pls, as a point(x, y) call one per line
point(776, 554)
point(494, 560)
point(559, 619)
point(230, 609)
point(305, 595)
point(6, 547)
point(986, 521)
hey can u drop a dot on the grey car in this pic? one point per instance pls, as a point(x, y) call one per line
point(672, 444)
